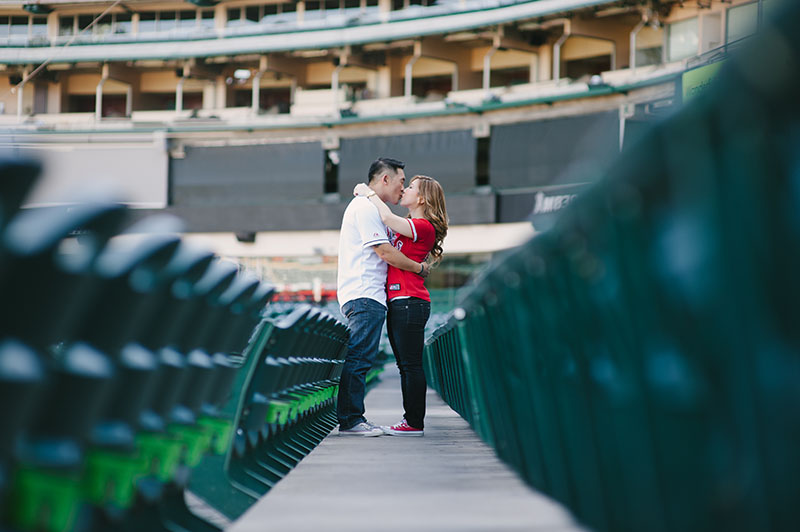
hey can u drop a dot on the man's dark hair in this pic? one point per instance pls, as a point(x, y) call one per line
point(381, 165)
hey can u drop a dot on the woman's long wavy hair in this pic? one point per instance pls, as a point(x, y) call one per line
point(434, 210)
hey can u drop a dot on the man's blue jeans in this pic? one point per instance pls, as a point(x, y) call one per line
point(365, 319)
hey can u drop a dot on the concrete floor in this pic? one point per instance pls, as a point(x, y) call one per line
point(448, 480)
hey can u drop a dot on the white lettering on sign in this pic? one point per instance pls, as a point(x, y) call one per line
point(545, 204)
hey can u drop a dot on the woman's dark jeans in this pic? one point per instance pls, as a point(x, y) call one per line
point(406, 326)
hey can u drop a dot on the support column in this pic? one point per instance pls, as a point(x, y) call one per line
point(487, 66)
point(98, 99)
point(209, 94)
point(255, 101)
point(20, 100)
point(335, 87)
point(545, 62)
point(409, 75)
point(129, 101)
point(179, 94)
point(220, 93)
point(634, 33)
point(533, 69)
point(557, 50)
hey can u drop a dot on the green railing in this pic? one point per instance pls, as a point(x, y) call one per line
point(640, 361)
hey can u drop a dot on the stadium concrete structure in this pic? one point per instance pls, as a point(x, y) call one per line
point(246, 116)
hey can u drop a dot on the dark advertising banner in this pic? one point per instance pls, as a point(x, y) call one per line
point(448, 156)
point(539, 206)
point(552, 152)
point(247, 175)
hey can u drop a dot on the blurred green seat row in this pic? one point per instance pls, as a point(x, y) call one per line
point(129, 360)
point(287, 407)
point(640, 362)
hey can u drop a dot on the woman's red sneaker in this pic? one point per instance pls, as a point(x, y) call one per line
point(403, 429)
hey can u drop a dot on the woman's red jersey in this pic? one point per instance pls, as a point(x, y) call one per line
point(400, 283)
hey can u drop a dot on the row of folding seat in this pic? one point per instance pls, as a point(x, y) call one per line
point(122, 355)
point(287, 407)
point(639, 362)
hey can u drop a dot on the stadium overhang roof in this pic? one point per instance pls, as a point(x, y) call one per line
point(297, 40)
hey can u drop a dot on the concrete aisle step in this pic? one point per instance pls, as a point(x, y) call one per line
point(448, 480)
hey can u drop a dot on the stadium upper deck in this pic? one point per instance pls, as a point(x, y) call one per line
point(249, 115)
point(239, 59)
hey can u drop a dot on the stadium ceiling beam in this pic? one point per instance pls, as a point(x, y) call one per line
point(280, 64)
point(119, 72)
point(348, 59)
point(191, 69)
point(510, 39)
point(503, 41)
point(611, 31)
point(437, 48)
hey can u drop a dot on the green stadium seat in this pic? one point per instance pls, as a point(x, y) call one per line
point(16, 180)
point(22, 379)
point(46, 293)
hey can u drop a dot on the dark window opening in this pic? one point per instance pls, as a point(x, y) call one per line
point(84, 21)
point(510, 76)
point(80, 103)
point(192, 100)
point(39, 26)
point(159, 101)
point(65, 25)
point(113, 104)
point(435, 87)
point(167, 20)
point(331, 172)
point(252, 14)
point(187, 18)
point(40, 90)
point(648, 56)
point(588, 66)
point(482, 162)
point(123, 23)
point(147, 22)
point(356, 90)
point(270, 100)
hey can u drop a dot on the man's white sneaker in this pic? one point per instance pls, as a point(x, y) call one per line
point(362, 429)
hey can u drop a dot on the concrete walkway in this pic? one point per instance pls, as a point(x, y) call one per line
point(448, 480)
